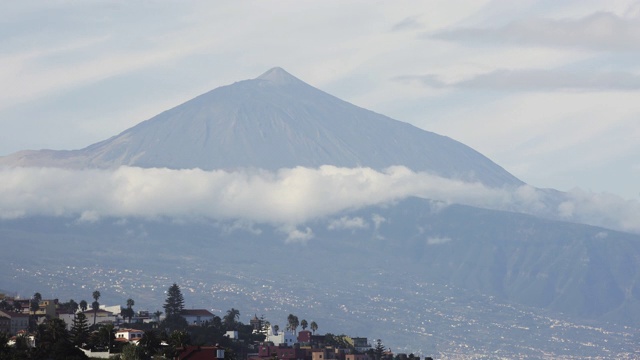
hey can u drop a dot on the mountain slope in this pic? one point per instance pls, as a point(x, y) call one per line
point(271, 122)
point(418, 275)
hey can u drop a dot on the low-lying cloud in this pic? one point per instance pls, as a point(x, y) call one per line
point(288, 197)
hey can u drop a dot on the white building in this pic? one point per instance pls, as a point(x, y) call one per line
point(281, 337)
point(130, 335)
point(102, 316)
point(197, 316)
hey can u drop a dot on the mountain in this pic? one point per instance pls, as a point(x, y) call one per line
point(271, 122)
point(429, 277)
point(426, 279)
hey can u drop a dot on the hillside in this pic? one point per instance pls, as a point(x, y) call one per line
point(438, 280)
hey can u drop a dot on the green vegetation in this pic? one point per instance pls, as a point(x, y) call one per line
point(162, 339)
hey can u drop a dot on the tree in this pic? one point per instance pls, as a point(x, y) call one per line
point(337, 341)
point(34, 306)
point(106, 336)
point(304, 324)
point(173, 306)
point(95, 305)
point(79, 330)
point(127, 313)
point(378, 350)
point(49, 334)
point(175, 301)
point(132, 352)
point(179, 338)
point(231, 318)
point(83, 305)
point(157, 315)
point(313, 326)
point(130, 312)
point(73, 307)
point(265, 327)
point(293, 322)
point(150, 342)
point(276, 328)
point(35, 302)
point(5, 349)
point(22, 342)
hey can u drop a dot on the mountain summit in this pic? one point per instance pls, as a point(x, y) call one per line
point(278, 76)
point(271, 122)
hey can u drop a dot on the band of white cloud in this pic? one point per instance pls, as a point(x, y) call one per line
point(287, 197)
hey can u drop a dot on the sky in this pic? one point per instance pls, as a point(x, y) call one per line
point(549, 90)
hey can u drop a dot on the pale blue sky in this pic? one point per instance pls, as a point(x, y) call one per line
point(550, 90)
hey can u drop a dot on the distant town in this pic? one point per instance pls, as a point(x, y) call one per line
point(38, 328)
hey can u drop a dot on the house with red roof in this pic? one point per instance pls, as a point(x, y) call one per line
point(129, 335)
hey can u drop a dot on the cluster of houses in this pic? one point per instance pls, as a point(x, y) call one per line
point(17, 320)
point(280, 345)
point(287, 345)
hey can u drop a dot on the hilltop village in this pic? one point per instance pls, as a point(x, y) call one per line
point(38, 328)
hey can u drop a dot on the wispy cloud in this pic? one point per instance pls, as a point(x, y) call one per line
point(438, 240)
point(536, 80)
point(348, 223)
point(287, 198)
point(600, 31)
point(410, 23)
point(28, 79)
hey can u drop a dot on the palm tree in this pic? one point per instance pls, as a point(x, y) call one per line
point(95, 305)
point(57, 329)
point(150, 342)
point(73, 307)
point(179, 338)
point(304, 324)
point(130, 312)
point(106, 336)
point(230, 320)
point(313, 327)
point(83, 305)
point(96, 295)
point(293, 322)
point(157, 315)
